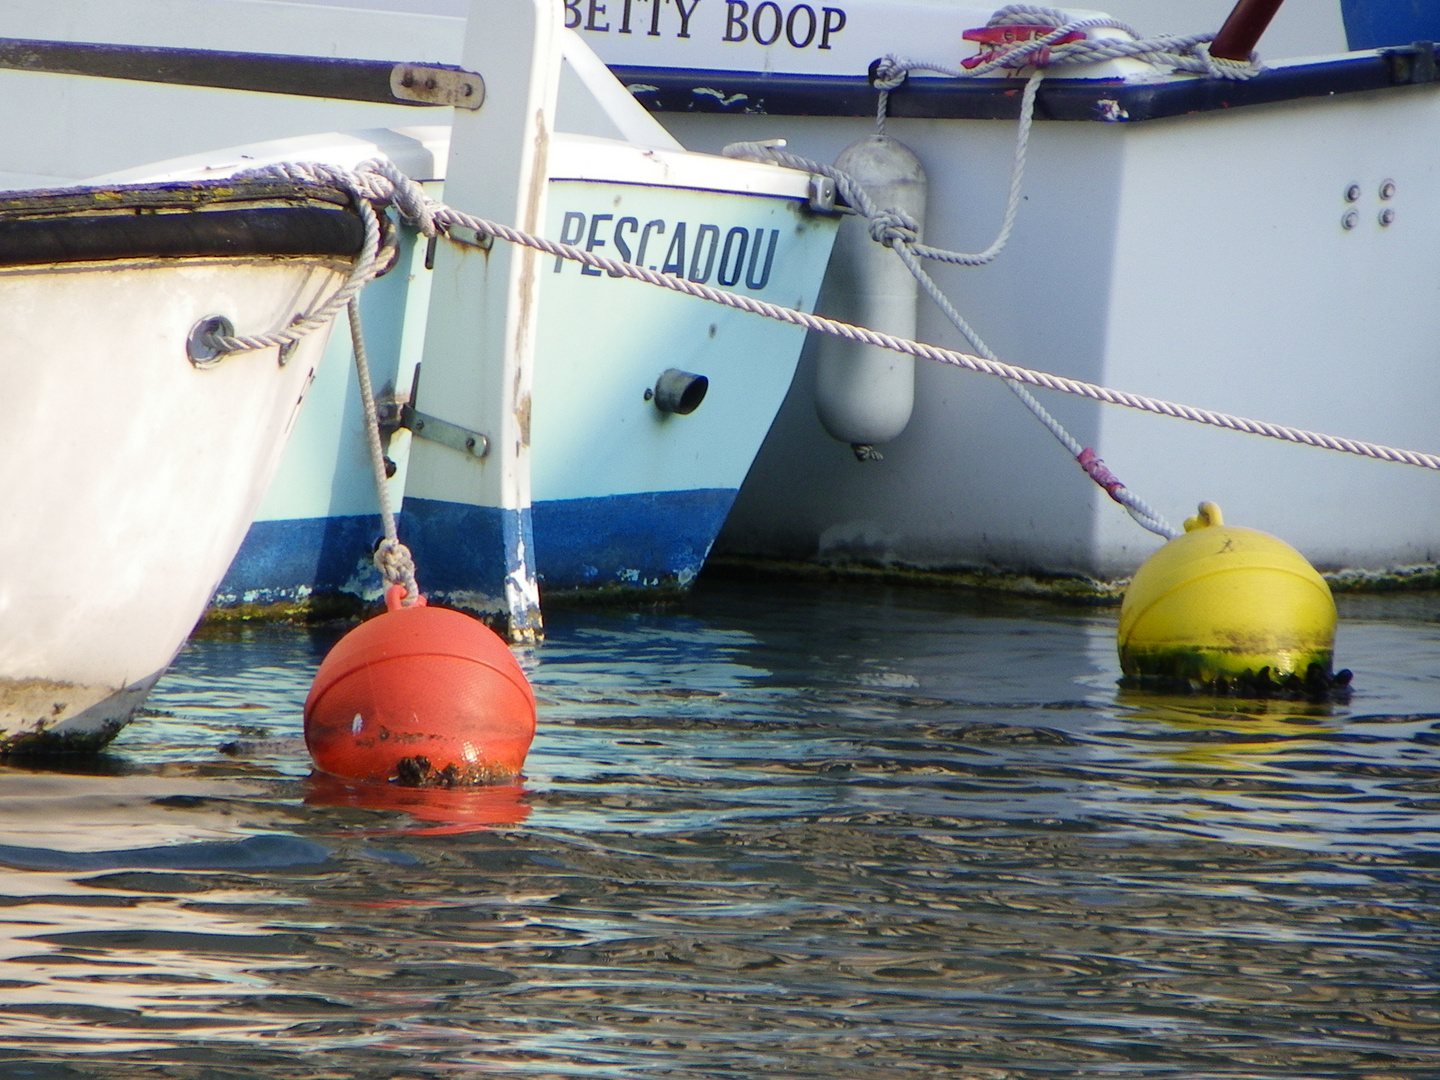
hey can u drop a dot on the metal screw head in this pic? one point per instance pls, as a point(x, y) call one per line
point(1387, 189)
point(1387, 216)
point(1352, 193)
point(1350, 219)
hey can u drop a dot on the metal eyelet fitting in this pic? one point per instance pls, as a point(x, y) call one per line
point(1350, 219)
point(200, 346)
point(1352, 193)
point(1387, 190)
point(1387, 216)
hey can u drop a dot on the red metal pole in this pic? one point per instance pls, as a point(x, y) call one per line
point(1236, 39)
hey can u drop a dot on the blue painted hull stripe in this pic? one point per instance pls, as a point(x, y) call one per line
point(653, 538)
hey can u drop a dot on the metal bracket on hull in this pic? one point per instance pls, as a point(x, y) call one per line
point(428, 85)
point(822, 194)
point(443, 432)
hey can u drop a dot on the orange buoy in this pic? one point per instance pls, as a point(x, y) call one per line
point(421, 696)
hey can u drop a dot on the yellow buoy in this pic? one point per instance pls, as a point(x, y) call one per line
point(1228, 608)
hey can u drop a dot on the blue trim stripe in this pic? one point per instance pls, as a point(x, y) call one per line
point(649, 540)
point(656, 538)
point(282, 561)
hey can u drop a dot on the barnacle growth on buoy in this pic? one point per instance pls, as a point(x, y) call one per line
point(1232, 611)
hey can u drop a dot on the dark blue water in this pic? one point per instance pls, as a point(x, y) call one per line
point(782, 832)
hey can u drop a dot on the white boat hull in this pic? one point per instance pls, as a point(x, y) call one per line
point(1196, 259)
point(133, 472)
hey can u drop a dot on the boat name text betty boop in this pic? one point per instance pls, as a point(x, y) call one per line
point(799, 25)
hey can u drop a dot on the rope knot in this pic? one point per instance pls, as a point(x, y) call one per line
point(396, 566)
point(390, 186)
point(1219, 67)
point(888, 72)
point(893, 226)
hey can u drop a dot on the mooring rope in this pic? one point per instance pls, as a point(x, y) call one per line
point(373, 258)
point(392, 558)
point(383, 184)
point(896, 230)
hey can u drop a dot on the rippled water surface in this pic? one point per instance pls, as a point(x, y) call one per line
point(781, 832)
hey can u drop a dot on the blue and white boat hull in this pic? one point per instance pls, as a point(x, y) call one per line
point(623, 496)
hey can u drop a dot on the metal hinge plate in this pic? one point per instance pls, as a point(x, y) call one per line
point(435, 430)
point(437, 86)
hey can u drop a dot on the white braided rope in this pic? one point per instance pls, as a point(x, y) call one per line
point(384, 183)
point(366, 266)
point(892, 226)
point(1144, 514)
point(392, 558)
point(897, 231)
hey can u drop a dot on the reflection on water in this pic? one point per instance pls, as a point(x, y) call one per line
point(800, 832)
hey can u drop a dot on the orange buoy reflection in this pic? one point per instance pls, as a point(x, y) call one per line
point(452, 809)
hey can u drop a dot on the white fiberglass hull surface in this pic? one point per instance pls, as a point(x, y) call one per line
point(134, 472)
point(1200, 260)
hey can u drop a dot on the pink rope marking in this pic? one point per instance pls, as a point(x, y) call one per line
point(1097, 471)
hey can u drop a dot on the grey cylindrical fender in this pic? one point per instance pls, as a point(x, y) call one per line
point(864, 394)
